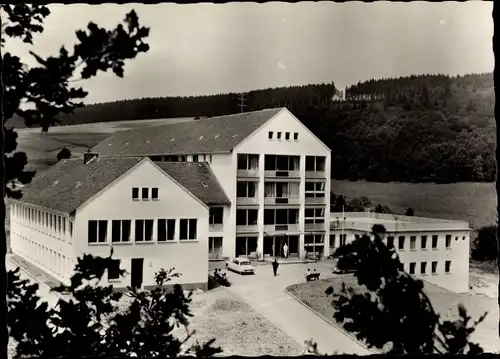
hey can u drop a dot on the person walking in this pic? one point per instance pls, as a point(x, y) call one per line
point(275, 266)
point(305, 254)
point(285, 250)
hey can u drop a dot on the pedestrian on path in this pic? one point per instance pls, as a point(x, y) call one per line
point(285, 250)
point(275, 266)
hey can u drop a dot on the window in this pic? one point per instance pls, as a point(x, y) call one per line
point(314, 243)
point(64, 225)
point(120, 231)
point(97, 231)
point(448, 241)
point(135, 193)
point(281, 216)
point(270, 135)
point(248, 162)
point(423, 267)
point(216, 215)
point(59, 224)
point(246, 189)
point(166, 230)
point(188, 229)
point(281, 163)
point(145, 193)
point(210, 158)
point(424, 242)
point(315, 189)
point(195, 158)
point(246, 217)
point(401, 243)
point(434, 242)
point(143, 230)
point(447, 266)
point(154, 193)
point(314, 215)
point(412, 267)
point(434, 266)
point(315, 163)
point(287, 136)
point(114, 269)
point(281, 190)
point(296, 136)
point(413, 243)
point(278, 135)
point(390, 241)
point(332, 240)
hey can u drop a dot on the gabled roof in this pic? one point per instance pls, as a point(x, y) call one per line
point(198, 179)
point(212, 135)
point(69, 184)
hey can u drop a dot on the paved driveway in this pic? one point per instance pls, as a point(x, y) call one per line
point(265, 293)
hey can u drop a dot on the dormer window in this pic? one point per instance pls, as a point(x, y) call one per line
point(278, 135)
point(204, 184)
point(270, 135)
point(287, 136)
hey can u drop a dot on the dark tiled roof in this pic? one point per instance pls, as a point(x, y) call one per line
point(198, 179)
point(212, 135)
point(69, 184)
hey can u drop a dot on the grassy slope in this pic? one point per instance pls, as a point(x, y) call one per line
point(444, 302)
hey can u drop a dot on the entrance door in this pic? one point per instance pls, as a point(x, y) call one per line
point(136, 272)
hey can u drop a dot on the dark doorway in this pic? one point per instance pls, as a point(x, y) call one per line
point(136, 272)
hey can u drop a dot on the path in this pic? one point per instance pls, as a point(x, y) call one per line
point(265, 293)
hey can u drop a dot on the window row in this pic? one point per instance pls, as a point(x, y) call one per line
point(315, 189)
point(423, 242)
point(144, 193)
point(281, 163)
point(314, 215)
point(281, 189)
point(249, 189)
point(281, 216)
point(52, 222)
point(182, 158)
point(46, 257)
point(271, 135)
point(144, 230)
point(424, 268)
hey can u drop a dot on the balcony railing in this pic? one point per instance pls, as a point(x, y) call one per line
point(248, 173)
point(247, 200)
point(282, 200)
point(270, 228)
point(247, 229)
point(316, 174)
point(315, 226)
point(218, 227)
point(282, 174)
point(315, 200)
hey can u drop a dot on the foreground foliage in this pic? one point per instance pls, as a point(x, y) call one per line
point(96, 321)
point(395, 301)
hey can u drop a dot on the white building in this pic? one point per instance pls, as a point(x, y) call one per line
point(153, 216)
point(275, 172)
point(434, 250)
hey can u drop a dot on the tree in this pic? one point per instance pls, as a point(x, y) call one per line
point(63, 154)
point(97, 321)
point(409, 212)
point(412, 328)
point(484, 246)
point(379, 208)
point(39, 94)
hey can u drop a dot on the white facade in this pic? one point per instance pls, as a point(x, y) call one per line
point(431, 249)
point(255, 233)
point(59, 251)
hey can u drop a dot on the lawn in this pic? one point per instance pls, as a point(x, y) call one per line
point(445, 303)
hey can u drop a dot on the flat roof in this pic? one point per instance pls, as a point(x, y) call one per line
point(363, 221)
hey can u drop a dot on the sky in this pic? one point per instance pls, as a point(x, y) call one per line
point(201, 49)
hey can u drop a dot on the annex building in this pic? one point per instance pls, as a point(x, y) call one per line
point(435, 250)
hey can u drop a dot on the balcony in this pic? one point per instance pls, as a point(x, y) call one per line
point(281, 200)
point(316, 174)
point(282, 174)
point(251, 228)
point(248, 173)
point(315, 200)
point(314, 227)
point(247, 201)
point(217, 227)
point(281, 228)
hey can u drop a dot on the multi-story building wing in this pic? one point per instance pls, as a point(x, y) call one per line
point(153, 216)
point(435, 250)
point(275, 172)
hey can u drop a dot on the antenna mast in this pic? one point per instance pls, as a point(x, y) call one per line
point(242, 101)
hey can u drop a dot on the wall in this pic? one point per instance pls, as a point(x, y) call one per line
point(189, 258)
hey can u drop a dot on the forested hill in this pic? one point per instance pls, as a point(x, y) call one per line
point(414, 129)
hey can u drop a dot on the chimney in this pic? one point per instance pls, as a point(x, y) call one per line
point(89, 156)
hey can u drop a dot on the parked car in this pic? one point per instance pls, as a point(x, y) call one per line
point(240, 265)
